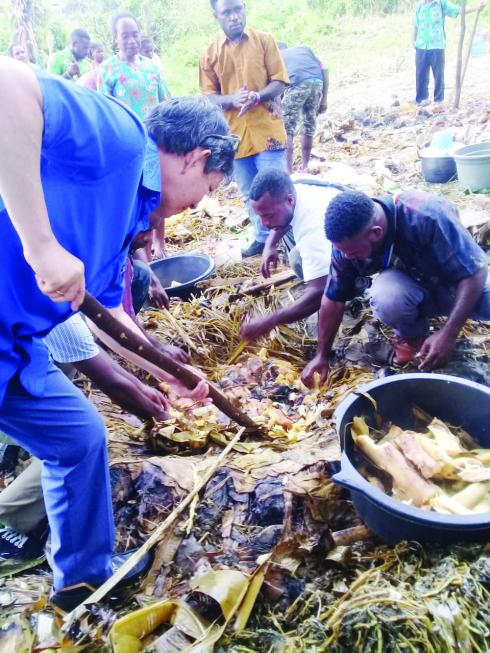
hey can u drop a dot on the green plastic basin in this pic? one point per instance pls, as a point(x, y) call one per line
point(473, 164)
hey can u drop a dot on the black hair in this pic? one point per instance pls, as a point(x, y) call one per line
point(274, 181)
point(11, 48)
point(179, 125)
point(146, 39)
point(119, 15)
point(93, 46)
point(347, 215)
point(78, 34)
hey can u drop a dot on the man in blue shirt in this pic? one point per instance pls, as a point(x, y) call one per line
point(428, 263)
point(79, 177)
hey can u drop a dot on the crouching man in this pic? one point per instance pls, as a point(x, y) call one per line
point(428, 266)
point(294, 213)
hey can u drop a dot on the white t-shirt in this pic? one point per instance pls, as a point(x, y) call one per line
point(309, 231)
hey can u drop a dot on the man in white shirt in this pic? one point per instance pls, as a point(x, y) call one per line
point(294, 213)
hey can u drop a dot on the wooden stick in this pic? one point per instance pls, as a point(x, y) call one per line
point(459, 60)
point(153, 539)
point(468, 51)
point(275, 280)
point(102, 318)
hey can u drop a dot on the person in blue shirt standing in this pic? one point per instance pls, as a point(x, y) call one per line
point(79, 177)
point(429, 41)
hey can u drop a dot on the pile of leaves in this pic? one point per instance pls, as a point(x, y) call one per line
point(270, 556)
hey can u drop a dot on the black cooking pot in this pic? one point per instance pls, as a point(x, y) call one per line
point(438, 169)
point(185, 269)
point(451, 399)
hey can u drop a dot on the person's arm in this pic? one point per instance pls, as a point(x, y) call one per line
point(323, 102)
point(123, 388)
point(232, 101)
point(59, 274)
point(437, 349)
point(197, 393)
point(269, 92)
point(414, 35)
point(103, 81)
point(303, 307)
point(156, 291)
point(210, 85)
point(329, 321)
point(270, 255)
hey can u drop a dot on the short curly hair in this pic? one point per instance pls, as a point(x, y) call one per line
point(347, 215)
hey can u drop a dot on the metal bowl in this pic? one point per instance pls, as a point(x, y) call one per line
point(454, 400)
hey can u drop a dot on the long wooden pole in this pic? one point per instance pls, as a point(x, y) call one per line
point(468, 51)
point(102, 318)
point(459, 60)
point(153, 539)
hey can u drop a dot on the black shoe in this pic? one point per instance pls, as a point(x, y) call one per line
point(255, 249)
point(68, 598)
point(17, 546)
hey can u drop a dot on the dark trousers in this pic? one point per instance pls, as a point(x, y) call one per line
point(140, 284)
point(425, 60)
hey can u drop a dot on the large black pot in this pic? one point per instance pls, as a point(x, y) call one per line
point(454, 400)
point(187, 269)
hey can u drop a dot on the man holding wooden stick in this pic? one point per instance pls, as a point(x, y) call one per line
point(429, 41)
point(79, 176)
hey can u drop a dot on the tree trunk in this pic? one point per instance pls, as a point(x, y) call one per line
point(459, 61)
point(22, 23)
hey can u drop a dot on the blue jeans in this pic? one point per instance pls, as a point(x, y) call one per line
point(405, 305)
point(245, 171)
point(66, 433)
point(425, 61)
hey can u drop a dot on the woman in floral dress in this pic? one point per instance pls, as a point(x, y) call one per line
point(127, 76)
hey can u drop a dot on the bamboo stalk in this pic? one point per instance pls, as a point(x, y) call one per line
point(468, 51)
point(141, 347)
point(459, 60)
point(152, 540)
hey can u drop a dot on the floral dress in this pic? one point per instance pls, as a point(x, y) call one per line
point(139, 85)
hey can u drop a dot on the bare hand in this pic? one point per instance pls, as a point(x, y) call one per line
point(59, 274)
point(252, 100)
point(256, 328)
point(176, 353)
point(270, 261)
point(157, 293)
point(73, 70)
point(239, 98)
point(317, 369)
point(435, 351)
point(158, 407)
point(322, 108)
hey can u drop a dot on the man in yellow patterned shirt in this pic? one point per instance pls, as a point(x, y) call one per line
point(243, 72)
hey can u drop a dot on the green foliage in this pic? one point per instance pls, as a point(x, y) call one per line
point(337, 30)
